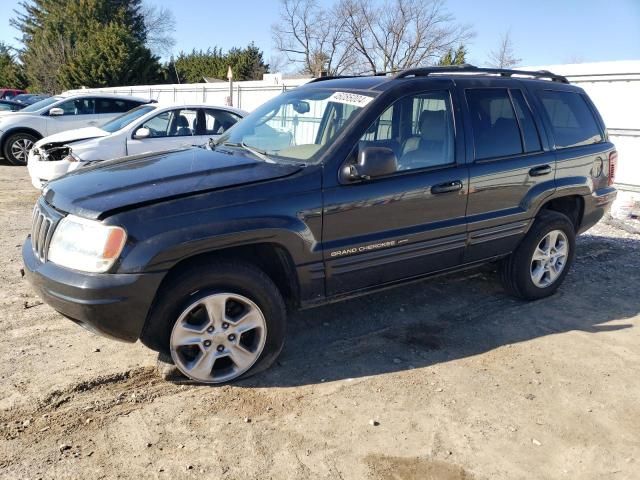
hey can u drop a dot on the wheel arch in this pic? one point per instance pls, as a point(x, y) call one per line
point(14, 130)
point(273, 259)
point(571, 206)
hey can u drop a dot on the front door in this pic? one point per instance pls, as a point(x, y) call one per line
point(409, 223)
point(77, 113)
point(168, 130)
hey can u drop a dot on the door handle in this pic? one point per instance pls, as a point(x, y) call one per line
point(92, 122)
point(539, 171)
point(447, 187)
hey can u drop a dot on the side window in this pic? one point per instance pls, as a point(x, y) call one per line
point(79, 106)
point(174, 123)
point(159, 125)
point(495, 128)
point(381, 128)
point(216, 122)
point(109, 105)
point(527, 124)
point(571, 119)
point(419, 128)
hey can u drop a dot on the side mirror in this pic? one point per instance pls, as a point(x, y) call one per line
point(372, 162)
point(56, 112)
point(301, 107)
point(142, 133)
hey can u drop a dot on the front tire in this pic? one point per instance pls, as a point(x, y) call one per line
point(539, 265)
point(17, 147)
point(219, 322)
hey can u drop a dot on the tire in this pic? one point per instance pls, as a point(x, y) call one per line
point(17, 147)
point(520, 272)
point(186, 325)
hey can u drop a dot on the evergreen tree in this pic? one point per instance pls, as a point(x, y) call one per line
point(110, 55)
point(61, 36)
point(454, 57)
point(246, 63)
point(11, 72)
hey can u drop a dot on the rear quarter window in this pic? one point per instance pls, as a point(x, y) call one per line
point(571, 119)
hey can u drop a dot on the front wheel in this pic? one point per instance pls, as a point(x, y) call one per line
point(17, 147)
point(541, 262)
point(221, 321)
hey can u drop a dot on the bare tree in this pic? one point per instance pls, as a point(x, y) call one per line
point(160, 24)
point(504, 56)
point(312, 37)
point(400, 34)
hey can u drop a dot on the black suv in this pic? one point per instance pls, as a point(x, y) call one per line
point(341, 187)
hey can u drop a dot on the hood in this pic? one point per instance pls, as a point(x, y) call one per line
point(95, 191)
point(73, 136)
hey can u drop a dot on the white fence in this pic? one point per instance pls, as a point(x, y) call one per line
point(613, 86)
point(246, 95)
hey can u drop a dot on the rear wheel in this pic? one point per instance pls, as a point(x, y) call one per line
point(17, 147)
point(221, 322)
point(541, 262)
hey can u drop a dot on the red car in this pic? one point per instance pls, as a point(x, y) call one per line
point(9, 93)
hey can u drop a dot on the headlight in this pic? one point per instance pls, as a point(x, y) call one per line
point(86, 245)
point(72, 157)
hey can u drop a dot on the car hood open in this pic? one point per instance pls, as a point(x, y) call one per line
point(113, 185)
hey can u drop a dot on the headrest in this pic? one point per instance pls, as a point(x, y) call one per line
point(182, 122)
point(432, 125)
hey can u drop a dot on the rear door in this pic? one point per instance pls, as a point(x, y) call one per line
point(409, 223)
point(511, 165)
point(108, 108)
point(213, 122)
point(170, 129)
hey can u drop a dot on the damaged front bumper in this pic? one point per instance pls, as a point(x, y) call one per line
point(45, 165)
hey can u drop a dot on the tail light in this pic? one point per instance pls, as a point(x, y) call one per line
point(613, 165)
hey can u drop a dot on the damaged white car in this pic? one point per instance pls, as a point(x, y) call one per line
point(145, 129)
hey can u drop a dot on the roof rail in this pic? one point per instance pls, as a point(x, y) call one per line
point(466, 68)
point(334, 77)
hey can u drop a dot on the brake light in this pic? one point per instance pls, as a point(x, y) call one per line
point(613, 165)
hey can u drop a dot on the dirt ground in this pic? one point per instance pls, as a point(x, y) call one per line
point(447, 379)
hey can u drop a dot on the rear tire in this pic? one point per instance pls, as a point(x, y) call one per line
point(16, 148)
point(218, 322)
point(537, 268)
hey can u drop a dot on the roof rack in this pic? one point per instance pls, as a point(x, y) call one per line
point(466, 68)
point(334, 77)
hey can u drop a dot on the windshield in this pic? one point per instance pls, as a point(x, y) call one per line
point(126, 118)
point(297, 125)
point(34, 107)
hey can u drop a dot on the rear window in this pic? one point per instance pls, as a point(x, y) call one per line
point(495, 128)
point(571, 119)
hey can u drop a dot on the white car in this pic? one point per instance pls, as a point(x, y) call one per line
point(145, 129)
point(20, 130)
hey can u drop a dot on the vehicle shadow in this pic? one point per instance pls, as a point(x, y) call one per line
point(453, 317)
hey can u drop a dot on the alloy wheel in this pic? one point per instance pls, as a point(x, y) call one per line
point(549, 258)
point(20, 149)
point(218, 338)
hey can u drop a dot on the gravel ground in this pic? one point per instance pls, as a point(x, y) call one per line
point(445, 379)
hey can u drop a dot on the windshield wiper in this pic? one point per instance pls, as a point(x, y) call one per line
point(261, 154)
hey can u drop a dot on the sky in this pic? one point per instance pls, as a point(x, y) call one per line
point(543, 32)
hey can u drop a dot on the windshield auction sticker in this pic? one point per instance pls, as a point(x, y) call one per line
point(350, 99)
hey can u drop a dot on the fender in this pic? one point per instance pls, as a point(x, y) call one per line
point(13, 130)
point(164, 234)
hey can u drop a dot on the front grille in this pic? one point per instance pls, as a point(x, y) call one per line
point(43, 224)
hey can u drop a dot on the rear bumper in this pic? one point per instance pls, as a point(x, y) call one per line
point(113, 305)
point(596, 206)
